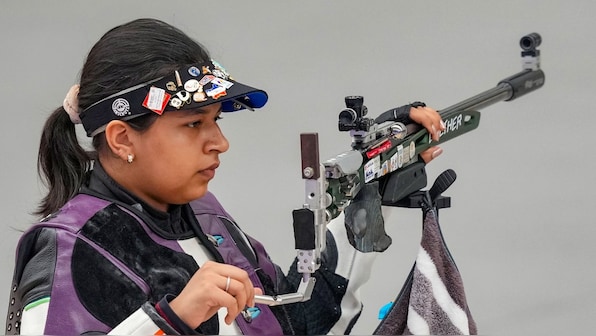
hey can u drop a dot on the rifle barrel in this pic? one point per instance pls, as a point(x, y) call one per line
point(508, 89)
point(481, 100)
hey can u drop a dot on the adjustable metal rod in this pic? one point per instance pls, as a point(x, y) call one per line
point(302, 294)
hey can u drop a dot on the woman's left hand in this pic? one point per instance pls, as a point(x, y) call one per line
point(430, 119)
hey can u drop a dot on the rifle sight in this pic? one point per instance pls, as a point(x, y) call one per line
point(353, 116)
point(530, 41)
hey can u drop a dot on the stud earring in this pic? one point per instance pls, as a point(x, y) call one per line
point(130, 158)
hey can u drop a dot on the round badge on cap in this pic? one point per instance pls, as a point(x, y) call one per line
point(120, 107)
point(191, 85)
point(194, 71)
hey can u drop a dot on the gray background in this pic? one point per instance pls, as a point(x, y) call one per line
point(521, 227)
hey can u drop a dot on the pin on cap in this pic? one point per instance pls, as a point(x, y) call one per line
point(194, 71)
point(156, 100)
point(191, 85)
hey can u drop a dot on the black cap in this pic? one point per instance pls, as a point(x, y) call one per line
point(190, 87)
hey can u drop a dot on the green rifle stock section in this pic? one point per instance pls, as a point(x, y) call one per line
point(398, 167)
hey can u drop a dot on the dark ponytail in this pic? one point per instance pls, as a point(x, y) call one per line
point(61, 162)
point(133, 53)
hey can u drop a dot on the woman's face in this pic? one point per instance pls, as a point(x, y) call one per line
point(177, 156)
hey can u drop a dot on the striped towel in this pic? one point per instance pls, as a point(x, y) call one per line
point(432, 300)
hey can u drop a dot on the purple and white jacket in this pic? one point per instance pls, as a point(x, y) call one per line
point(97, 267)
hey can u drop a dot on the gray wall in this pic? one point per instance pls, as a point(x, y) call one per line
point(519, 228)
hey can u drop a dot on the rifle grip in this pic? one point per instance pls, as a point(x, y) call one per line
point(403, 182)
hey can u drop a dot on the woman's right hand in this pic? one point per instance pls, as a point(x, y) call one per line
point(205, 293)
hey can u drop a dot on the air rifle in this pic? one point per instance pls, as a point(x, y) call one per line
point(386, 150)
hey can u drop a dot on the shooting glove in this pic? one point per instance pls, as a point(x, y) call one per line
point(364, 221)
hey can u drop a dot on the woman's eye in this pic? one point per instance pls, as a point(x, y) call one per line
point(194, 124)
point(200, 122)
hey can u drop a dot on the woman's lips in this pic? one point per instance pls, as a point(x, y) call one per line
point(210, 171)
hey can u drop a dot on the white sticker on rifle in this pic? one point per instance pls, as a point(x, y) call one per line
point(371, 168)
point(406, 155)
point(400, 156)
point(393, 162)
point(384, 168)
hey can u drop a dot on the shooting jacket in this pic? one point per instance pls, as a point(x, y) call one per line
point(107, 263)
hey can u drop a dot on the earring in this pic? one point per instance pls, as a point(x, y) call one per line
point(130, 158)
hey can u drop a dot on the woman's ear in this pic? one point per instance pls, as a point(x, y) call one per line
point(119, 136)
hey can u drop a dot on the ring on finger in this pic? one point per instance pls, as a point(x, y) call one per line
point(227, 284)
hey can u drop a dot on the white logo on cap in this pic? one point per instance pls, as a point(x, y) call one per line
point(120, 107)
